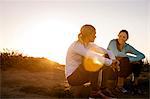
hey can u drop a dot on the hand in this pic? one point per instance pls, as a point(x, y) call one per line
point(115, 62)
point(115, 65)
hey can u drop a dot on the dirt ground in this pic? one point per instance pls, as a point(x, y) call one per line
point(21, 83)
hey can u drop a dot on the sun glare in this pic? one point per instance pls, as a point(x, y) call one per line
point(96, 61)
point(48, 38)
point(92, 64)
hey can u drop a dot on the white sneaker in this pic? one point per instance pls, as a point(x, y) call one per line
point(123, 90)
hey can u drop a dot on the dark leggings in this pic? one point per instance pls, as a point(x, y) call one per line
point(126, 68)
point(80, 76)
point(136, 68)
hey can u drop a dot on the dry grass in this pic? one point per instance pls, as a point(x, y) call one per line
point(23, 83)
point(29, 77)
point(19, 83)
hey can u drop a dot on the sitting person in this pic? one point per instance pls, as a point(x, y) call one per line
point(75, 70)
point(128, 63)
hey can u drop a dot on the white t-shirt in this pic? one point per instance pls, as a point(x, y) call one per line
point(77, 51)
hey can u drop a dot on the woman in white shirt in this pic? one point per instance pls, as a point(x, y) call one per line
point(84, 47)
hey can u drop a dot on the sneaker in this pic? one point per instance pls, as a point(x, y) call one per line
point(137, 91)
point(108, 92)
point(116, 92)
point(98, 94)
point(122, 90)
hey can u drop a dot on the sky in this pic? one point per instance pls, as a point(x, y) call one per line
point(46, 28)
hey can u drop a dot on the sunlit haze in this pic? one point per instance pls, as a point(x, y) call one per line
point(46, 28)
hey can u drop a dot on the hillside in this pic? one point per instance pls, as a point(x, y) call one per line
point(30, 77)
point(23, 76)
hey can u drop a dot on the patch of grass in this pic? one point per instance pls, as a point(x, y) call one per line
point(15, 59)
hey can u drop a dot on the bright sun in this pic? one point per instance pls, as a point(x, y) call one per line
point(49, 38)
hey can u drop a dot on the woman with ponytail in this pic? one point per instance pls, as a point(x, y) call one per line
point(79, 67)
